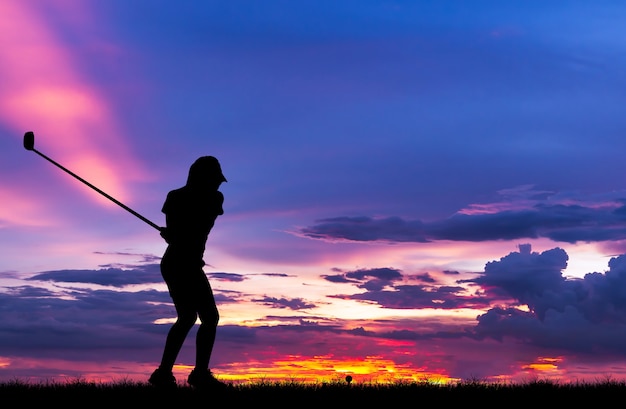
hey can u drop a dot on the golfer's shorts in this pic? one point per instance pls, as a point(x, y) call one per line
point(188, 285)
point(192, 289)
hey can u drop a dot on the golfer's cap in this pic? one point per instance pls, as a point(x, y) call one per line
point(210, 165)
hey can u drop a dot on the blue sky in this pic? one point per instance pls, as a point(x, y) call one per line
point(415, 189)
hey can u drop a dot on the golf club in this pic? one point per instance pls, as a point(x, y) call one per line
point(29, 144)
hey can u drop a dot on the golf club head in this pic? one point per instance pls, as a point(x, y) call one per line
point(29, 141)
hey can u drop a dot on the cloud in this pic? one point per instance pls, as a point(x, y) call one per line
point(76, 323)
point(226, 297)
point(569, 316)
point(425, 278)
point(579, 315)
point(121, 276)
point(367, 229)
point(293, 303)
point(526, 298)
point(384, 274)
point(420, 296)
point(569, 223)
point(337, 278)
point(370, 279)
point(231, 277)
point(115, 277)
point(526, 276)
point(145, 258)
point(385, 287)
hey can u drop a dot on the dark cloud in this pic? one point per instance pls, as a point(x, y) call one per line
point(275, 275)
point(384, 274)
point(337, 278)
point(525, 276)
point(293, 303)
point(78, 323)
point(231, 277)
point(226, 297)
point(31, 292)
point(420, 296)
point(383, 287)
point(367, 229)
point(563, 331)
point(371, 279)
point(145, 258)
point(91, 325)
point(120, 277)
point(537, 306)
point(565, 223)
point(301, 319)
point(581, 315)
point(424, 277)
point(114, 277)
point(527, 299)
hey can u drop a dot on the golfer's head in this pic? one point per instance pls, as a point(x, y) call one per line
point(206, 169)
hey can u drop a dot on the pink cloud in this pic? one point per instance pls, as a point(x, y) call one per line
point(45, 91)
point(20, 209)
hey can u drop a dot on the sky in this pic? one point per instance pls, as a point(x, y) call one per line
point(417, 190)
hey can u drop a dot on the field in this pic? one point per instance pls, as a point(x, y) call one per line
point(323, 395)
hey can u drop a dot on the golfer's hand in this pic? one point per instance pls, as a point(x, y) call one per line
point(163, 231)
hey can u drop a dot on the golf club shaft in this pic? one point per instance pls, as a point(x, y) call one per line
point(97, 190)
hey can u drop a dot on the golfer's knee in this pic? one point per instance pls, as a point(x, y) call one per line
point(212, 318)
point(187, 320)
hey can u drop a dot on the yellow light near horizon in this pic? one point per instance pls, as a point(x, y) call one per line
point(544, 364)
point(371, 369)
point(541, 367)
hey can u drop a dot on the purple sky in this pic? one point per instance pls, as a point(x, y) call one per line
point(415, 188)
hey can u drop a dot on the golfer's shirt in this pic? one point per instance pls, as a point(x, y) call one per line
point(190, 216)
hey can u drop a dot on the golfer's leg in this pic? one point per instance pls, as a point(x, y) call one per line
point(176, 336)
point(205, 338)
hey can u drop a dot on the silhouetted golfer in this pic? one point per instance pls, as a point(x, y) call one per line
point(190, 213)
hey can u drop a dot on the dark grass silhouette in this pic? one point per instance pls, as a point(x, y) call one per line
point(293, 394)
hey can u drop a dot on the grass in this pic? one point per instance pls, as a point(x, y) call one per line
point(326, 395)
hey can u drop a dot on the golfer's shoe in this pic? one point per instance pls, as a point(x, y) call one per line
point(162, 379)
point(204, 379)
